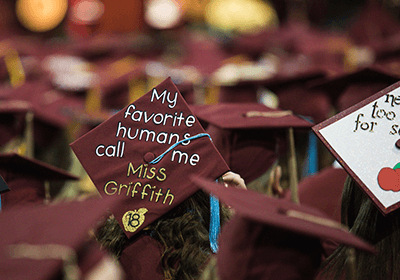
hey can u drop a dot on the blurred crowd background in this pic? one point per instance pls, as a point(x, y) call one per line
point(67, 65)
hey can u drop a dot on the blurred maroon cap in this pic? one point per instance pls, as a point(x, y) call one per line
point(149, 251)
point(26, 178)
point(373, 24)
point(350, 88)
point(52, 110)
point(271, 238)
point(141, 153)
point(295, 95)
point(114, 79)
point(47, 241)
point(249, 136)
point(12, 115)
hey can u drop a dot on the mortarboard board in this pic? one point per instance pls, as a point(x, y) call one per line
point(142, 153)
point(249, 136)
point(272, 237)
point(364, 140)
point(43, 242)
point(348, 89)
point(26, 178)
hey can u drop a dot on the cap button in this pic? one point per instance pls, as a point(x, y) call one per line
point(149, 157)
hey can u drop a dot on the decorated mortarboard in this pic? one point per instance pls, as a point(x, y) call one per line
point(47, 241)
point(146, 152)
point(364, 140)
point(242, 245)
point(26, 178)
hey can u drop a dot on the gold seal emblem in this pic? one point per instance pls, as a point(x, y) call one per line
point(132, 220)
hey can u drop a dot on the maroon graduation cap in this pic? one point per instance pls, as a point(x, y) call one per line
point(26, 178)
point(250, 136)
point(271, 238)
point(348, 89)
point(146, 152)
point(47, 241)
point(364, 139)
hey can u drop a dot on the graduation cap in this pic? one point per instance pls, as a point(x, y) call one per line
point(364, 140)
point(272, 237)
point(12, 119)
point(240, 81)
point(348, 89)
point(119, 82)
point(142, 153)
point(373, 24)
point(250, 136)
point(51, 109)
point(294, 94)
point(27, 180)
point(49, 241)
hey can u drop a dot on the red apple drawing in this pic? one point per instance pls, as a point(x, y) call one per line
point(389, 179)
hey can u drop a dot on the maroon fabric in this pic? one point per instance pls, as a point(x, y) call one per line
point(238, 93)
point(249, 153)
point(323, 191)
point(47, 226)
point(374, 23)
point(281, 214)
point(24, 191)
point(302, 101)
point(250, 250)
point(357, 92)
point(114, 79)
point(235, 116)
point(250, 145)
point(89, 256)
point(12, 120)
point(203, 52)
point(345, 89)
point(122, 159)
point(141, 260)
point(25, 178)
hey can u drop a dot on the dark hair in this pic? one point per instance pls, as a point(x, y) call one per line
point(183, 232)
point(364, 220)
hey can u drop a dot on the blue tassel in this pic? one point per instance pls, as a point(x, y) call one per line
point(215, 223)
point(312, 154)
